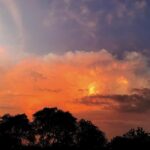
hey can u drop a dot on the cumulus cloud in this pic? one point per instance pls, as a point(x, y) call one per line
point(80, 82)
point(56, 80)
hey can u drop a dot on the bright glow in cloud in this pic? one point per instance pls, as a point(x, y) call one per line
point(59, 80)
point(92, 89)
point(95, 83)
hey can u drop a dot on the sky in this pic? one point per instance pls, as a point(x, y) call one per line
point(89, 57)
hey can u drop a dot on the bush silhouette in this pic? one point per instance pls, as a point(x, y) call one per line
point(134, 139)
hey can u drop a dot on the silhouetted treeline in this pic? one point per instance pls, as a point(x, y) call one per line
point(52, 128)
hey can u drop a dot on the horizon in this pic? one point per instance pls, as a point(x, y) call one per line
point(88, 57)
point(108, 137)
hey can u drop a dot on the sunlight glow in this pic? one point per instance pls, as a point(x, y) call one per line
point(123, 80)
point(92, 89)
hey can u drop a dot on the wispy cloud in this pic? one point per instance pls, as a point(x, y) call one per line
point(18, 20)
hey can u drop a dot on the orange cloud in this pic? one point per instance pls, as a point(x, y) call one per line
point(56, 80)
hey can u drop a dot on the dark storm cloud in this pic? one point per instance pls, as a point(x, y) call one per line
point(137, 102)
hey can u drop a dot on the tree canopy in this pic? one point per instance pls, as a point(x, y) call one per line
point(53, 128)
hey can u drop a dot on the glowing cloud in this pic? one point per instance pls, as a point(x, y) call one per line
point(56, 80)
point(72, 81)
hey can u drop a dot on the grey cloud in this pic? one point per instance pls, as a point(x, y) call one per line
point(138, 102)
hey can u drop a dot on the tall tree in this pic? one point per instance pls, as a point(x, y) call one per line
point(89, 136)
point(54, 127)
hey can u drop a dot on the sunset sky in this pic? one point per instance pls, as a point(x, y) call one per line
point(89, 57)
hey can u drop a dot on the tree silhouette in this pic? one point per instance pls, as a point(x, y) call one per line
point(54, 127)
point(14, 130)
point(89, 136)
point(138, 133)
point(134, 139)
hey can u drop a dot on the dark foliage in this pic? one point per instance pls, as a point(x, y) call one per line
point(136, 139)
point(52, 128)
